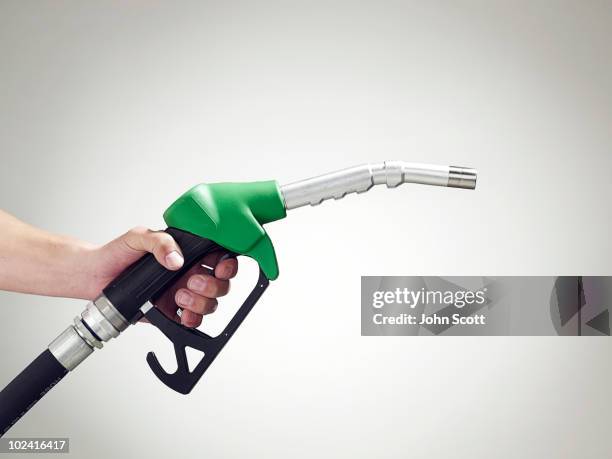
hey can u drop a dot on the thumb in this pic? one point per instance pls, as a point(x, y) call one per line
point(159, 243)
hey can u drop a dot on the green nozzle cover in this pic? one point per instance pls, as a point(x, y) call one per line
point(232, 215)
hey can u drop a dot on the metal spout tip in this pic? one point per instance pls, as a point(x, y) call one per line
point(462, 177)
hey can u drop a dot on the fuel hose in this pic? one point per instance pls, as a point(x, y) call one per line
point(29, 387)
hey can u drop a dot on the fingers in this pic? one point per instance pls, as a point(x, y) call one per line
point(208, 286)
point(159, 243)
point(199, 297)
point(201, 294)
point(195, 303)
point(191, 319)
point(226, 269)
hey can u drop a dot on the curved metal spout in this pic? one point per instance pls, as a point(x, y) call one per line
point(359, 179)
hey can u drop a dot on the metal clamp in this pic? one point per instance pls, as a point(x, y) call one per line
point(98, 323)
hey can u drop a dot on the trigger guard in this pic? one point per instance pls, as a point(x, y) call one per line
point(183, 380)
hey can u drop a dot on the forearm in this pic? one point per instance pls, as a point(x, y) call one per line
point(36, 261)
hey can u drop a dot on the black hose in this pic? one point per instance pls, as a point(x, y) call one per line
point(28, 388)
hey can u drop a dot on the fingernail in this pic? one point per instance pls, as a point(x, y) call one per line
point(197, 284)
point(174, 260)
point(184, 299)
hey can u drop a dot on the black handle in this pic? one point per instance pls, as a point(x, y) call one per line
point(28, 388)
point(147, 279)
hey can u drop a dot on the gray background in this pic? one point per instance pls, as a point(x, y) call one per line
point(109, 110)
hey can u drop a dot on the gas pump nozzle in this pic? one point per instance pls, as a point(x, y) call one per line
point(227, 217)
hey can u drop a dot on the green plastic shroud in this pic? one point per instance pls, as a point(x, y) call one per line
point(232, 215)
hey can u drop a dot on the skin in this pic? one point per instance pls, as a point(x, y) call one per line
point(38, 262)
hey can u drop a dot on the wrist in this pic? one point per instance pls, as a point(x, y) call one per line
point(77, 268)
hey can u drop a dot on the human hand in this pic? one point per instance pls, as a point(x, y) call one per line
point(195, 292)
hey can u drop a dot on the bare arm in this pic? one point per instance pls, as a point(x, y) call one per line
point(35, 261)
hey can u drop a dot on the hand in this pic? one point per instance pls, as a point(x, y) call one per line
point(196, 292)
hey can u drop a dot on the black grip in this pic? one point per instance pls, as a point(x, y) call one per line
point(147, 279)
point(28, 388)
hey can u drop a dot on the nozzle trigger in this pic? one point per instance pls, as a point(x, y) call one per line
point(183, 380)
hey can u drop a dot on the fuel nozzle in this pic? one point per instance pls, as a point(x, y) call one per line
point(359, 179)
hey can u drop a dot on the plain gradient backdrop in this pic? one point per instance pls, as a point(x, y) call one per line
point(110, 109)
